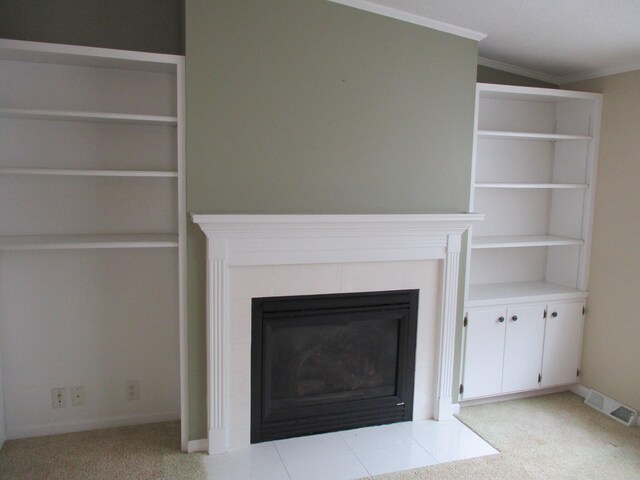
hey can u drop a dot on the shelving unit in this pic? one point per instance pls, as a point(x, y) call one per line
point(534, 174)
point(93, 192)
point(534, 170)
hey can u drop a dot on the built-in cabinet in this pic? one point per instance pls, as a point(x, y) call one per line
point(563, 341)
point(517, 348)
point(534, 168)
point(92, 233)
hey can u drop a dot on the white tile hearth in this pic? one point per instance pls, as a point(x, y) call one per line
point(351, 454)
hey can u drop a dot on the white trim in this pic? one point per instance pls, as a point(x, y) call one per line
point(515, 396)
point(602, 72)
point(412, 18)
point(182, 253)
point(83, 425)
point(557, 79)
point(525, 72)
point(243, 240)
point(201, 445)
point(580, 390)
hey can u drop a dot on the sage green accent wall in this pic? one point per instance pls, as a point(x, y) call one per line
point(141, 25)
point(610, 351)
point(492, 75)
point(307, 106)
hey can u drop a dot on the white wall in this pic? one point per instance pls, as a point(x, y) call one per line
point(2, 429)
point(611, 351)
point(109, 316)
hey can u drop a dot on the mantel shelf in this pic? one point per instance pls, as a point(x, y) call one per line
point(87, 173)
point(578, 186)
point(514, 241)
point(88, 116)
point(68, 242)
point(530, 136)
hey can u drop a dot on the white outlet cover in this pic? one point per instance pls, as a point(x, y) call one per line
point(132, 390)
point(77, 395)
point(59, 397)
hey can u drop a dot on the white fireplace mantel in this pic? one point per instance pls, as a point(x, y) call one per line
point(252, 240)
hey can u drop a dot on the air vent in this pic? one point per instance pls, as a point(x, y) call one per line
point(612, 408)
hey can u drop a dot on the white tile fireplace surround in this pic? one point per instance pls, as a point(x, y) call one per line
point(252, 256)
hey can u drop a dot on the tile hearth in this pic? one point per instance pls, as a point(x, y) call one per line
point(351, 454)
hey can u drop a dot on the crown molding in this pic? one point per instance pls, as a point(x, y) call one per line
point(525, 72)
point(602, 72)
point(412, 18)
point(559, 80)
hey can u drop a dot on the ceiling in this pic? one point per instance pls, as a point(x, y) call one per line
point(554, 40)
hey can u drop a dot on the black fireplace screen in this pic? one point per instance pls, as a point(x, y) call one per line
point(330, 362)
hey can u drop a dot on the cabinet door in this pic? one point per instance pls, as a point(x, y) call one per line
point(484, 349)
point(523, 348)
point(562, 343)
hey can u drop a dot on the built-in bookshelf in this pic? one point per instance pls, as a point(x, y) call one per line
point(534, 172)
point(92, 181)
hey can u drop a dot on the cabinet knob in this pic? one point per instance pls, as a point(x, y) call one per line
point(554, 314)
point(514, 318)
point(501, 319)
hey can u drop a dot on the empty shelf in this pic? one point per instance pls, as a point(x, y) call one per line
point(515, 241)
point(67, 242)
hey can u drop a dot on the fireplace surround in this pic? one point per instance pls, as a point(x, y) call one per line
point(264, 244)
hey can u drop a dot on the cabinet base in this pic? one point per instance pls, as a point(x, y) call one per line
point(575, 388)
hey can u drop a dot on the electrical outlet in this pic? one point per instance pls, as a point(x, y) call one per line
point(59, 397)
point(132, 389)
point(77, 395)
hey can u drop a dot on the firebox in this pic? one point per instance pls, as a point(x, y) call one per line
point(322, 363)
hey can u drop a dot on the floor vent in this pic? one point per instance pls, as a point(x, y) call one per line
point(612, 408)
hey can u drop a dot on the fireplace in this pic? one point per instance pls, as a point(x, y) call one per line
point(324, 363)
point(256, 256)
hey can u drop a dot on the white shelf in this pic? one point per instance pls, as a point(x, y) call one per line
point(521, 292)
point(529, 136)
point(87, 173)
point(536, 94)
point(514, 241)
point(89, 116)
point(578, 186)
point(23, 51)
point(68, 242)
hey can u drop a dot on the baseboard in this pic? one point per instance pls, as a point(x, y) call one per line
point(515, 396)
point(82, 425)
point(455, 408)
point(201, 445)
point(580, 390)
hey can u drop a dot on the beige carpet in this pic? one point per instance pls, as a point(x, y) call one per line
point(548, 437)
point(145, 452)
